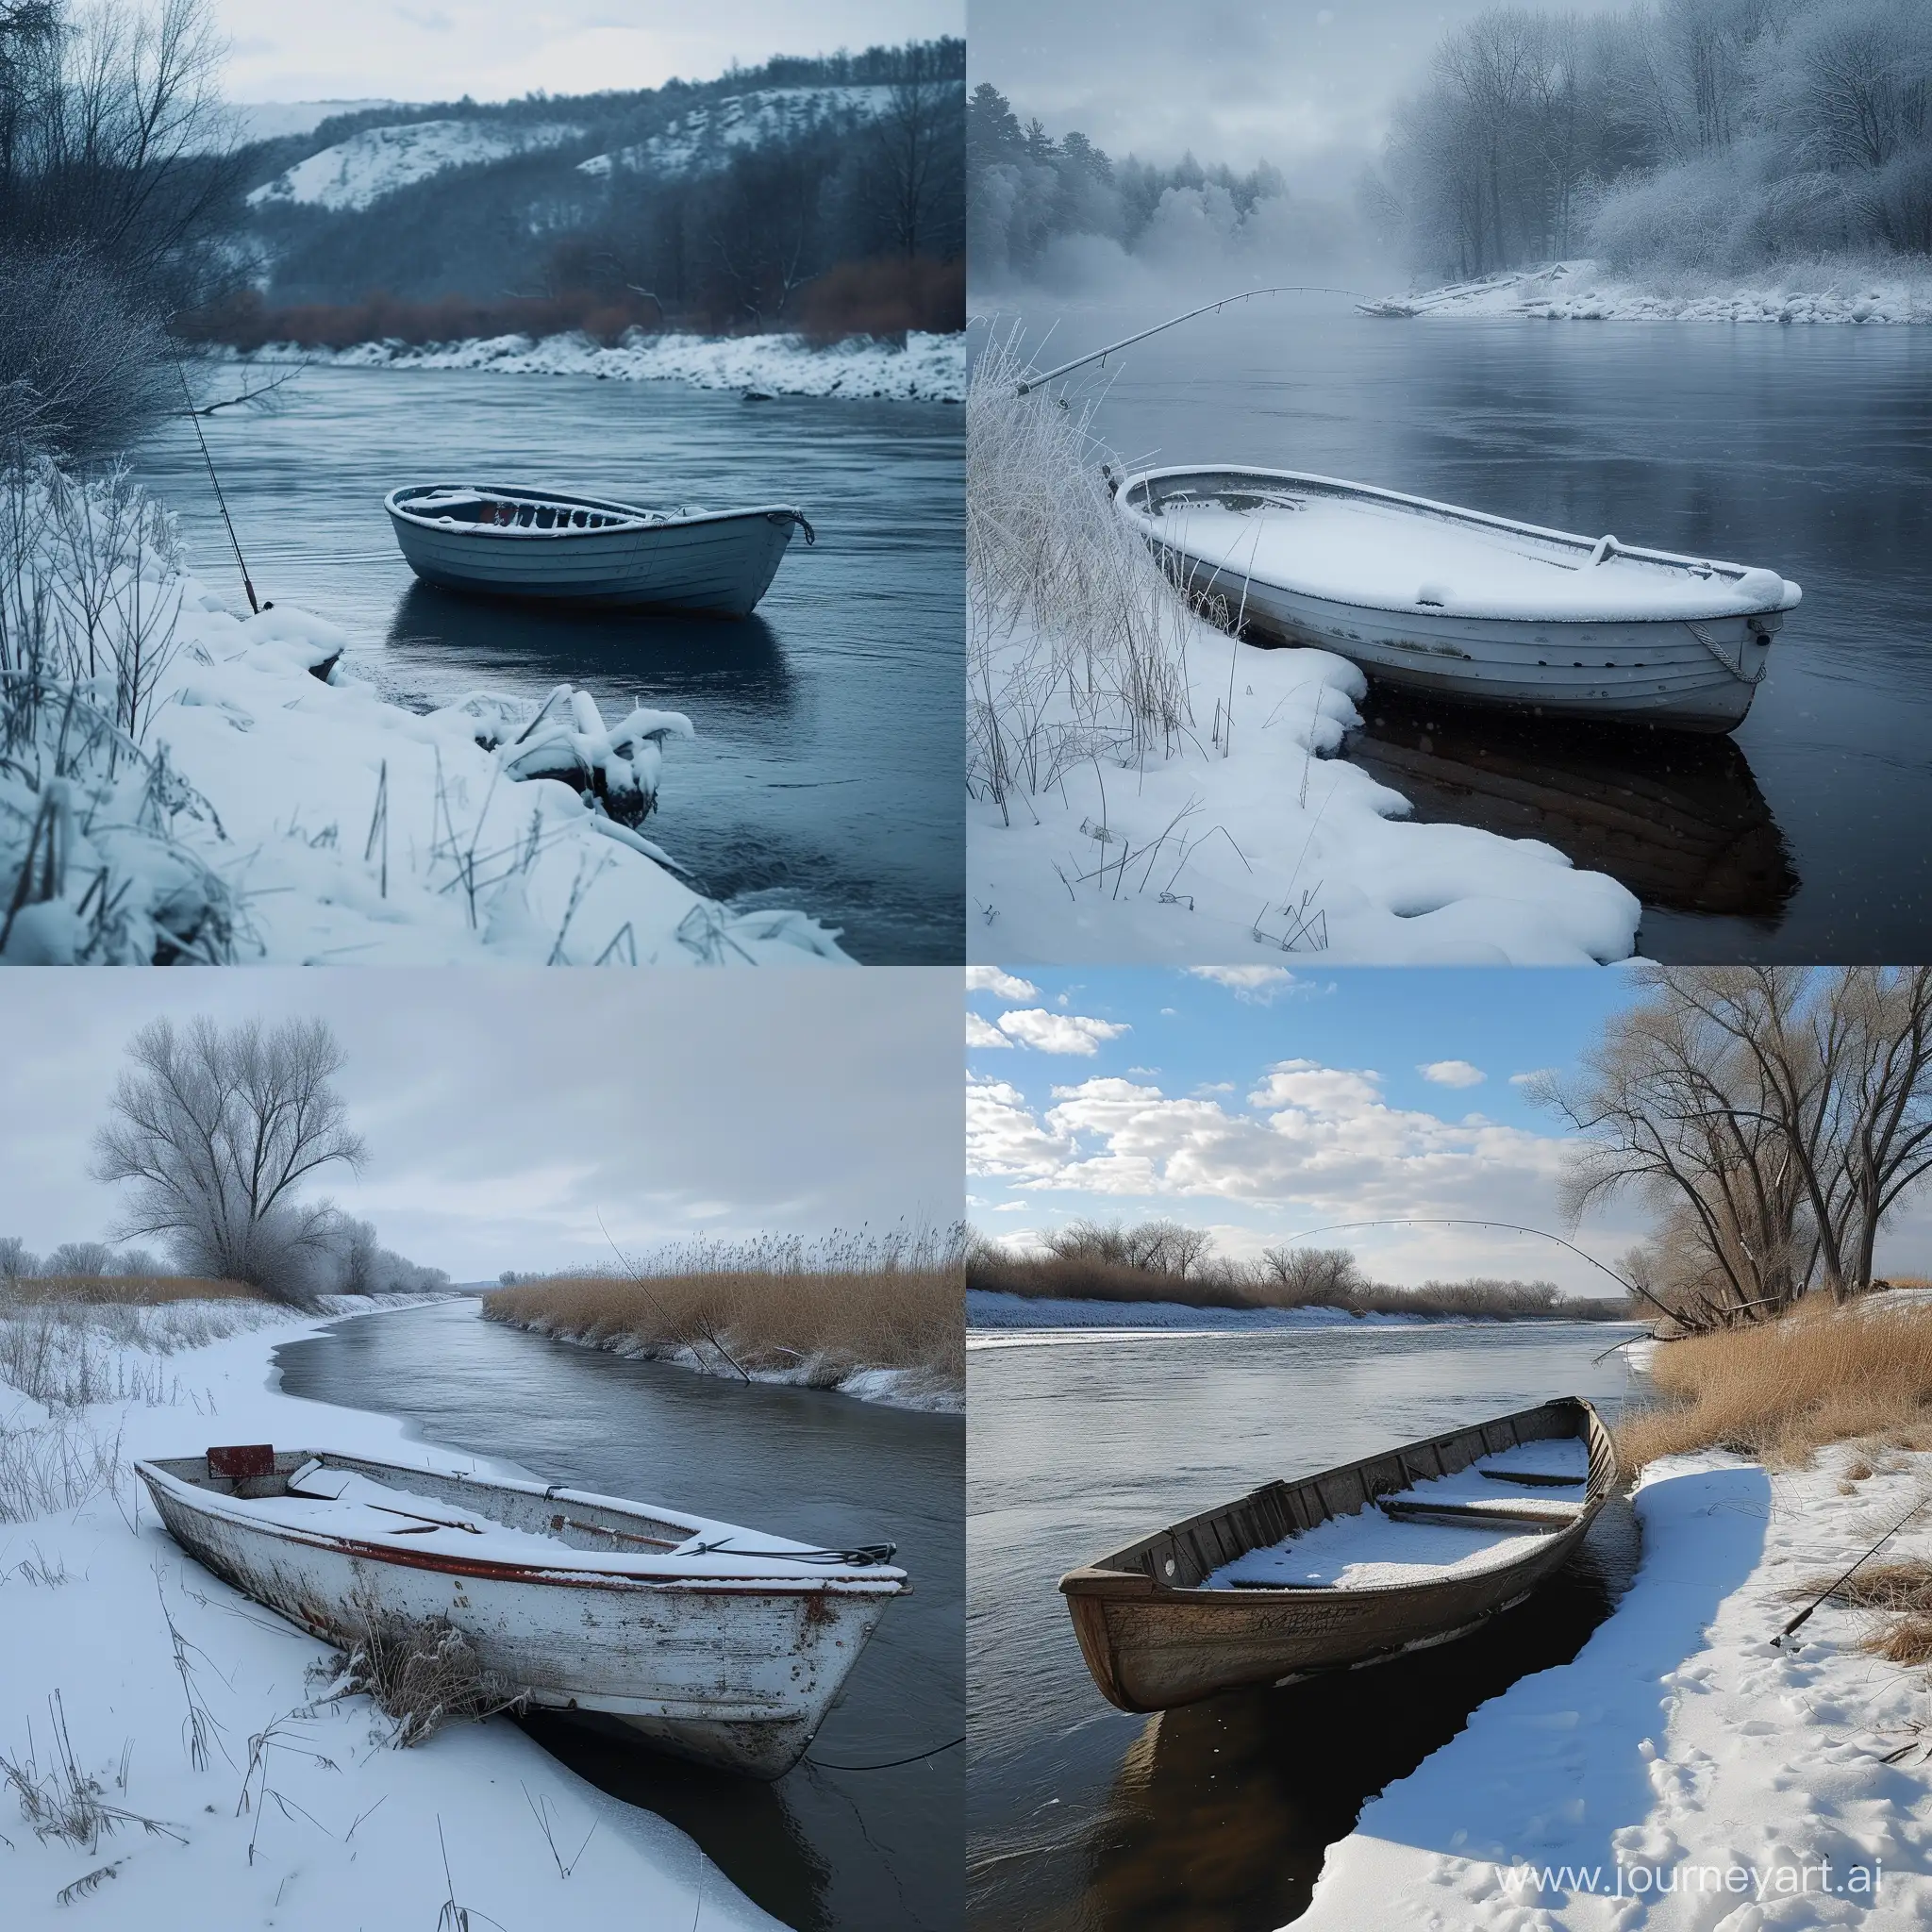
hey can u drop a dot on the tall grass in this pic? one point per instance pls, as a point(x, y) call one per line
point(1077, 643)
point(70, 1354)
point(817, 1313)
point(1784, 1388)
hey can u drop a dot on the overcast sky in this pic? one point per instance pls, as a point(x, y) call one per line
point(433, 50)
point(1266, 1103)
point(506, 1111)
point(1236, 80)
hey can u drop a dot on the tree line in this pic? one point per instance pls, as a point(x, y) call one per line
point(1690, 133)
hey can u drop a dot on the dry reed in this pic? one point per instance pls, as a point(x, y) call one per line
point(130, 1291)
point(1784, 1388)
point(817, 1313)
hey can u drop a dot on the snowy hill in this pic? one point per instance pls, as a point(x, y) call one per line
point(378, 162)
point(703, 138)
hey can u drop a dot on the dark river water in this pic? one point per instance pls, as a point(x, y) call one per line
point(873, 1851)
point(1805, 450)
point(1215, 1817)
point(825, 773)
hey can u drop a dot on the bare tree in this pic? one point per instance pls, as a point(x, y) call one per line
point(1327, 1277)
point(217, 1131)
point(913, 143)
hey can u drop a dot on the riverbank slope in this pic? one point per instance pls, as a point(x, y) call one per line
point(175, 1723)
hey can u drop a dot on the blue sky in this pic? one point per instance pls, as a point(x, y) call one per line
point(1266, 1108)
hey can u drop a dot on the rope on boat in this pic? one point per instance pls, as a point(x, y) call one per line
point(1737, 669)
point(794, 516)
point(865, 1556)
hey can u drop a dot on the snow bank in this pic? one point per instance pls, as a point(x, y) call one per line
point(1680, 1773)
point(929, 369)
point(269, 805)
point(296, 1814)
point(1584, 292)
point(906, 1388)
point(987, 1309)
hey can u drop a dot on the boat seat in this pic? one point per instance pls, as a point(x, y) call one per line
point(1482, 1515)
point(1533, 1480)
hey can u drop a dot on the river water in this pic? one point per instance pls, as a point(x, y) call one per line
point(1805, 450)
point(825, 773)
point(1214, 1817)
point(861, 1851)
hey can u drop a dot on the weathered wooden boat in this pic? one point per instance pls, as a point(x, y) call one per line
point(1468, 606)
point(715, 1643)
point(509, 541)
point(1391, 1554)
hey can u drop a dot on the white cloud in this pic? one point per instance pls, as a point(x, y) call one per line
point(1534, 1074)
point(1259, 985)
point(1003, 1139)
point(1452, 1074)
point(983, 1033)
point(1047, 1032)
point(1215, 1087)
point(1001, 984)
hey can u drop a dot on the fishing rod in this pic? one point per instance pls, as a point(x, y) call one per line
point(1028, 383)
point(1836, 1583)
point(195, 417)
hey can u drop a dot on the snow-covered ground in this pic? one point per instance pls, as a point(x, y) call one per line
point(1583, 290)
point(1681, 1774)
point(894, 1388)
point(1250, 839)
point(296, 1814)
point(706, 136)
point(279, 810)
point(929, 369)
point(378, 160)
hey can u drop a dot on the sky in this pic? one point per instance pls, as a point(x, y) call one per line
point(1265, 1103)
point(506, 1112)
point(1303, 85)
point(432, 50)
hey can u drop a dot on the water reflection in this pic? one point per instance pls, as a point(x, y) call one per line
point(728, 663)
point(1221, 1812)
point(1677, 819)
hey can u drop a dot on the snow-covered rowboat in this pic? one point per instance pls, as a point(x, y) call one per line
point(508, 541)
point(1359, 1564)
point(716, 1642)
point(1468, 606)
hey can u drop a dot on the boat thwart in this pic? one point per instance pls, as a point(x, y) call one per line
point(715, 1643)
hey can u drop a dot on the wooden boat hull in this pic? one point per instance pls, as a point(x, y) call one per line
point(1699, 676)
point(1153, 1638)
point(719, 562)
point(729, 1671)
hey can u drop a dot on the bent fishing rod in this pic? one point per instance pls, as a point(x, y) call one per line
point(1028, 383)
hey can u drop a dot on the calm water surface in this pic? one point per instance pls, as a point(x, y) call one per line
point(875, 1851)
point(1214, 1817)
point(825, 773)
point(1807, 451)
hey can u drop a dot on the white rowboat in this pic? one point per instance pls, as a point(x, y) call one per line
point(716, 1642)
point(1467, 607)
point(508, 541)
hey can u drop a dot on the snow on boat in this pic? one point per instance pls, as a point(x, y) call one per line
point(514, 543)
point(1468, 606)
point(1396, 1553)
point(718, 1643)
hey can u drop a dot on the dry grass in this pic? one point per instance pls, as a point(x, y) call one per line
point(130, 1291)
point(421, 1676)
point(1785, 1389)
point(817, 1314)
point(1901, 1595)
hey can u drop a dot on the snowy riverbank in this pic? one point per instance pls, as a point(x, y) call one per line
point(191, 782)
point(1583, 291)
point(993, 1312)
point(296, 1814)
point(929, 369)
point(1682, 1772)
point(897, 1388)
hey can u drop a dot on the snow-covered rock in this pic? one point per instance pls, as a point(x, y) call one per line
point(378, 160)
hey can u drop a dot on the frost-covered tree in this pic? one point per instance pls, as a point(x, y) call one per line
point(216, 1132)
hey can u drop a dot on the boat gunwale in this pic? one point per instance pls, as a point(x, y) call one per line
point(1109, 1578)
point(1145, 521)
point(639, 519)
point(887, 1581)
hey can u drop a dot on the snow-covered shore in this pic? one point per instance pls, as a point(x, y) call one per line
point(894, 1388)
point(1681, 1774)
point(298, 1816)
point(1250, 839)
point(929, 369)
point(227, 790)
point(989, 1312)
point(1583, 291)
